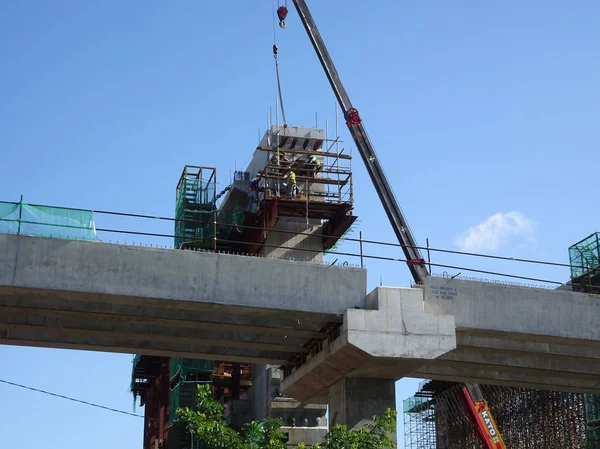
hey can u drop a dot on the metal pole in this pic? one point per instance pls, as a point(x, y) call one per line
point(337, 150)
point(351, 183)
point(361, 249)
point(215, 231)
point(20, 215)
point(277, 130)
point(428, 256)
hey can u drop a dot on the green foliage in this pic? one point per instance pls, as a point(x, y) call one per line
point(372, 436)
point(208, 425)
point(207, 422)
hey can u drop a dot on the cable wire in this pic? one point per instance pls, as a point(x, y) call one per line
point(70, 399)
point(275, 54)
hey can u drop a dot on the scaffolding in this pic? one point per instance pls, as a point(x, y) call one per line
point(328, 182)
point(435, 418)
point(584, 258)
point(184, 375)
point(195, 207)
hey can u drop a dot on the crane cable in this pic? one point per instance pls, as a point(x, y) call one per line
point(275, 55)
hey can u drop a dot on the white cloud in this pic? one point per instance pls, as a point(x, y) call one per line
point(495, 231)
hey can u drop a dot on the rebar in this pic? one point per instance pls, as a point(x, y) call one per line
point(436, 418)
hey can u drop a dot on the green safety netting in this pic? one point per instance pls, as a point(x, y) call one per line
point(47, 221)
point(195, 222)
point(183, 391)
point(195, 211)
point(9, 216)
point(585, 254)
point(335, 246)
point(416, 404)
point(592, 418)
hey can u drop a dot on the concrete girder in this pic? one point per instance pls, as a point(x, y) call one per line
point(477, 373)
point(178, 312)
point(109, 342)
point(194, 330)
point(116, 298)
point(194, 277)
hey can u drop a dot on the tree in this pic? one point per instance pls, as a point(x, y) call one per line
point(372, 436)
point(208, 425)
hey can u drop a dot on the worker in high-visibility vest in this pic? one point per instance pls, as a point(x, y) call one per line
point(316, 165)
point(292, 187)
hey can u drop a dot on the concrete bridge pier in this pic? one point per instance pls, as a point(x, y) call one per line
point(353, 401)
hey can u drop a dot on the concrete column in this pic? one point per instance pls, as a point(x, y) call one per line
point(261, 391)
point(235, 381)
point(354, 401)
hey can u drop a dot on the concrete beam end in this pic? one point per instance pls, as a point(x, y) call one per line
point(389, 340)
point(395, 325)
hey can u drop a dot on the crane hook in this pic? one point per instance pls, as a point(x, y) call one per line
point(282, 13)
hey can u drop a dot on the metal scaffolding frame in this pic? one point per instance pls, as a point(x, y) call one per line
point(435, 418)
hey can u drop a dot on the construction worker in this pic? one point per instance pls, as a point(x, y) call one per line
point(292, 187)
point(316, 165)
point(281, 158)
point(253, 196)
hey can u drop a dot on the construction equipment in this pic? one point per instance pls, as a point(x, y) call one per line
point(415, 261)
point(476, 404)
point(482, 417)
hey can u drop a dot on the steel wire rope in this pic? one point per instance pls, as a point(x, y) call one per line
point(276, 56)
point(91, 404)
point(350, 239)
point(533, 261)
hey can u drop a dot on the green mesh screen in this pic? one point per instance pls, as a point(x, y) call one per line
point(174, 403)
point(585, 254)
point(592, 418)
point(47, 221)
point(195, 212)
point(183, 374)
point(134, 363)
point(9, 217)
point(335, 246)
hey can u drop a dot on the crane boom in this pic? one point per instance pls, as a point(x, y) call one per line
point(476, 405)
point(363, 144)
point(482, 417)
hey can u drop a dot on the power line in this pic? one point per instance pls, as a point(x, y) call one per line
point(70, 399)
point(362, 241)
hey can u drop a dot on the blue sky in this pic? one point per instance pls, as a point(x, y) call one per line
point(485, 115)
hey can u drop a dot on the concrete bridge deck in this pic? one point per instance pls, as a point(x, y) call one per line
point(117, 298)
point(498, 334)
point(105, 297)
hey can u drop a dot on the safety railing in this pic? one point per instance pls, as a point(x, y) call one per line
point(79, 224)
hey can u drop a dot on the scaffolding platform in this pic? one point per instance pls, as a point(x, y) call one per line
point(324, 189)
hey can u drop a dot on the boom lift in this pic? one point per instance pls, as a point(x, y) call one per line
point(476, 405)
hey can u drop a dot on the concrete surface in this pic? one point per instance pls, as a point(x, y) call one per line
point(462, 331)
point(306, 435)
point(105, 297)
point(354, 401)
point(517, 336)
point(96, 296)
point(305, 248)
point(389, 340)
